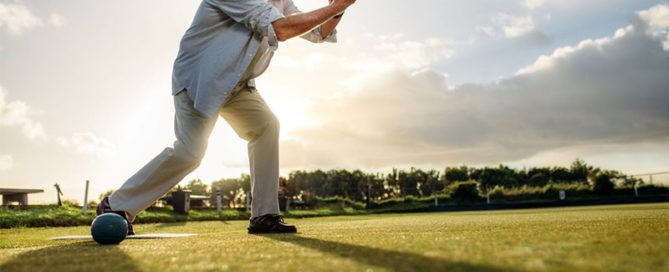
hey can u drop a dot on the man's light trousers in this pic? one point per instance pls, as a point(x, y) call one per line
point(251, 119)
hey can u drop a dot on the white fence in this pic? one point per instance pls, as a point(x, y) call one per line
point(654, 178)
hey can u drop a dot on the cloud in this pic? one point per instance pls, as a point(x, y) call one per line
point(605, 91)
point(376, 53)
point(657, 20)
point(490, 31)
point(413, 54)
point(533, 4)
point(17, 113)
point(656, 17)
point(17, 18)
point(354, 60)
point(514, 26)
point(87, 143)
point(57, 20)
point(643, 35)
point(6, 162)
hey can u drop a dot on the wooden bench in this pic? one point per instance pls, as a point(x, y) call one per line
point(184, 205)
point(17, 195)
point(196, 201)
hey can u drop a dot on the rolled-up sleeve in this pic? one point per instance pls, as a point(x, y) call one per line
point(256, 15)
point(289, 8)
point(316, 37)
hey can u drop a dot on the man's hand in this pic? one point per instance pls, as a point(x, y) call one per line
point(295, 25)
point(331, 1)
point(328, 27)
point(345, 3)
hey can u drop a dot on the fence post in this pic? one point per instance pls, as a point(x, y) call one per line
point(58, 194)
point(218, 200)
point(85, 205)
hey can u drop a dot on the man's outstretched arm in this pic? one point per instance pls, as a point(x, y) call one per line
point(296, 25)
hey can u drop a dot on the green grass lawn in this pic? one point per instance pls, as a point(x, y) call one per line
point(603, 238)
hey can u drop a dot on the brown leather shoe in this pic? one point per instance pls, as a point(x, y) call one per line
point(270, 223)
point(104, 207)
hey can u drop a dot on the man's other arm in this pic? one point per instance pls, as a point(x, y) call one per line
point(328, 27)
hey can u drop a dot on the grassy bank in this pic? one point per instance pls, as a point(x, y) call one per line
point(54, 216)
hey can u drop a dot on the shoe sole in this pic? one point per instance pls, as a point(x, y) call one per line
point(270, 232)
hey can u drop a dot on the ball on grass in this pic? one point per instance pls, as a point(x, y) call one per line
point(109, 228)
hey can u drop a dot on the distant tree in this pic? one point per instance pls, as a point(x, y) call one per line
point(409, 182)
point(375, 188)
point(232, 193)
point(603, 185)
point(615, 177)
point(455, 174)
point(511, 177)
point(561, 175)
point(464, 191)
point(297, 183)
point(284, 189)
point(539, 176)
point(197, 187)
point(336, 182)
point(359, 184)
point(538, 180)
point(245, 180)
point(305, 185)
point(580, 171)
point(502, 176)
point(431, 183)
point(392, 183)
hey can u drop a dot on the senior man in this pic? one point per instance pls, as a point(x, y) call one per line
point(229, 43)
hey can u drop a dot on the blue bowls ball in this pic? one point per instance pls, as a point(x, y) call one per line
point(109, 229)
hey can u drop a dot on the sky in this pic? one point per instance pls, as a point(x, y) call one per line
point(85, 89)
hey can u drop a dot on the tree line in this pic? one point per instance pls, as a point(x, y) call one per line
point(360, 186)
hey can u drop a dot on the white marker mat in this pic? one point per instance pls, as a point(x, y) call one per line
point(139, 236)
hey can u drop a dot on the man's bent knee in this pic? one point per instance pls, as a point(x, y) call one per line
point(273, 125)
point(188, 154)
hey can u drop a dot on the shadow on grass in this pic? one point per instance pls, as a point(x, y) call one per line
point(168, 225)
point(80, 256)
point(387, 259)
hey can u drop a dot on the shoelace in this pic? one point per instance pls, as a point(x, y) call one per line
point(262, 219)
